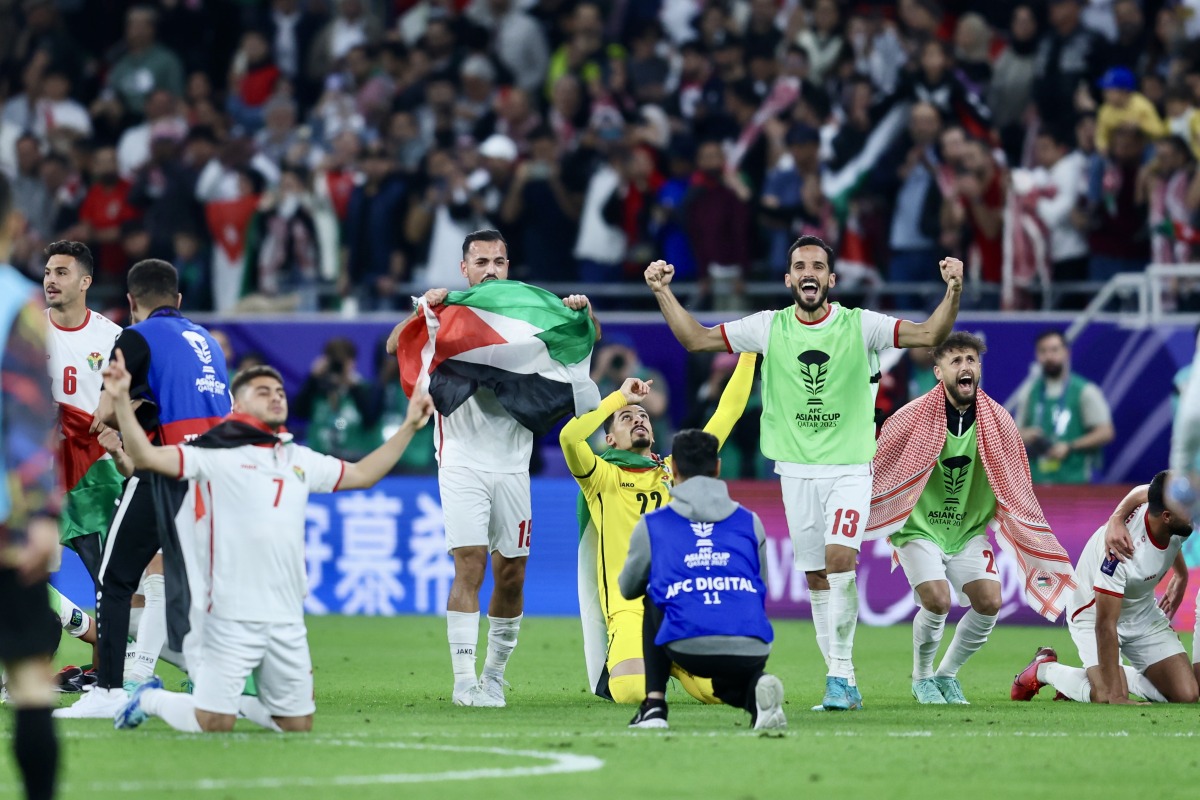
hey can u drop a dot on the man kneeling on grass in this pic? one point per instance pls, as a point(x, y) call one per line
point(700, 562)
point(256, 483)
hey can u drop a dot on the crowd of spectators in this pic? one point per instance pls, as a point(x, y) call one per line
point(299, 154)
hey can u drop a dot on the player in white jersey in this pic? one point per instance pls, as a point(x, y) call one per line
point(1113, 613)
point(78, 342)
point(483, 473)
point(255, 482)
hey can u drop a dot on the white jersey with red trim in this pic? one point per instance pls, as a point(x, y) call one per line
point(75, 358)
point(251, 536)
point(481, 435)
point(1134, 580)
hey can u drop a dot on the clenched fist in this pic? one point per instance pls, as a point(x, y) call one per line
point(952, 272)
point(659, 274)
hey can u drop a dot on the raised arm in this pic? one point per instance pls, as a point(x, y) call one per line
point(691, 334)
point(144, 455)
point(379, 462)
point(934, 330)
point(574, 435)
point(733, 399)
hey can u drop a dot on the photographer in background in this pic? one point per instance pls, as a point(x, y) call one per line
point(336, 403)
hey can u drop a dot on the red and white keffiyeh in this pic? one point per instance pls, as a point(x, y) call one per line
point(908, 450)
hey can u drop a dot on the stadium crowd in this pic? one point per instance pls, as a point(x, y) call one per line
point(291, 154)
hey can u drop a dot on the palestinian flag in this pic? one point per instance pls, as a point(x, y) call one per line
point(93, 483)
point(515, 339)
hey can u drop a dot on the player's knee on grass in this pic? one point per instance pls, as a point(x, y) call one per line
point(215, 723)
point(697, 687)
point(627, 689)
point(295, 724)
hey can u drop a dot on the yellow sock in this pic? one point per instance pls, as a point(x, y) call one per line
point(627, 689)
point(699, 688)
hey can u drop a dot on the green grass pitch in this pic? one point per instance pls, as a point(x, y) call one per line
point(385, 728)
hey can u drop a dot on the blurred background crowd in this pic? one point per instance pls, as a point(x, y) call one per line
point(318, 154)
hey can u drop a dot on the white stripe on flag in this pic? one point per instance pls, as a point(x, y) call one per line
point(877, 143)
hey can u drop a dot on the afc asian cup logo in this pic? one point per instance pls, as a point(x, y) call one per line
point(200, 345)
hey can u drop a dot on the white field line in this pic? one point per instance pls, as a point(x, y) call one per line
point(559, 763)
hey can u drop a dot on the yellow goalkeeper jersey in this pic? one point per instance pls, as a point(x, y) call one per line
point(621, 487)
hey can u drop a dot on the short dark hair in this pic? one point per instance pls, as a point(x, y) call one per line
point(810, 241)
point(154, 279)
point(1046, 334)
point(250, 373)
point(485, 235)
point(959, 340)
point(76, 250)
point(695, 453)
point(1156, 495)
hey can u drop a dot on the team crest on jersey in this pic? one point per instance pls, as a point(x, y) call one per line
point(95, 361)
point(299, 472)
point(1109, 566)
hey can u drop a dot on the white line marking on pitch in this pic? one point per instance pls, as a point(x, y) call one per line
point(560, 763)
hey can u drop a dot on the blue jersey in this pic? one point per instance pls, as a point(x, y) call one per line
point(706, 577)
point(187, 379)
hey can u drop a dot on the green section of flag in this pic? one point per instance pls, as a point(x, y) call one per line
point(623, 459)
point(567, 334)
point(90, 506)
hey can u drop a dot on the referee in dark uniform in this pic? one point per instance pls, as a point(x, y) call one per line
point(29, 497)
point(181, 389)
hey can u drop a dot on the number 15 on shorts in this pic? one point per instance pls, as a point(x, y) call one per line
point(524, 532)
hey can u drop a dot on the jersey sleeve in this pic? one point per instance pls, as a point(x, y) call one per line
point(880, 331)
point(325, 473)
point(197, 463)
point(1111, 577)
point(733, 399)
point(748, 334)
point(573, 439)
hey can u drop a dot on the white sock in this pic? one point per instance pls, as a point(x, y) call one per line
point(843, 619)
point(1071, 681)
point(502, 640)
point(972, 631)
point(152, 630)
point(175, 709)
point(819, 600)
point(253, 710)
point(462, 630)
point(927, 638)
point(1140, 685)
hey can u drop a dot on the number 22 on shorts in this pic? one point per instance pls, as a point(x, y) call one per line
point(845, 523)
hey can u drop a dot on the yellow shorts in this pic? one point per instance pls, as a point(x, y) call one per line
point(624, 637)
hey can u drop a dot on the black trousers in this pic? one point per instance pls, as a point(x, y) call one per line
point(132, 542)
point(733, 676)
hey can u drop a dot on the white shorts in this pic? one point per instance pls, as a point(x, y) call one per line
point(486, 509)
point(276, 652)
point(822, 511)
point(1146, 638)
point(924, 561)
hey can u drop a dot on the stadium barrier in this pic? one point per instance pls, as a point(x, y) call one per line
point(381, 552)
